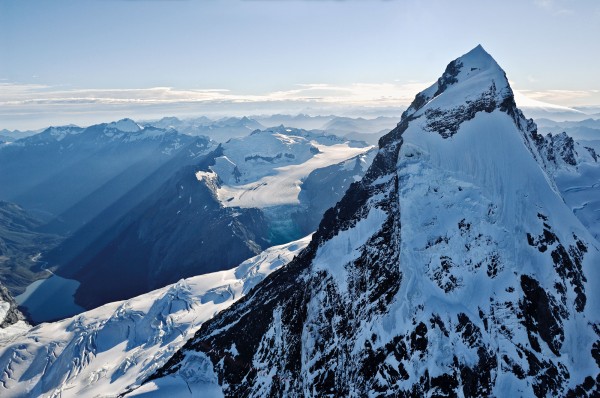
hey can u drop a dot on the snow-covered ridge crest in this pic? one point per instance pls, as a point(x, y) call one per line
point(127, 125)
point(108, 350)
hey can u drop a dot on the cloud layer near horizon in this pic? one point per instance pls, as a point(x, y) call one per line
point(26, 106)
point(30, 106)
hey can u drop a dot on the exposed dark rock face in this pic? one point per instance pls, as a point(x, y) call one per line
point(270, 159)
point(447, 122)
point(558, 149)
point(12, 315)
point(592, 153)
point(542, 316)
point(449, 76)
point(567, 262)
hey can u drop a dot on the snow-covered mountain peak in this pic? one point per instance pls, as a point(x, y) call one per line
point(471, 83)
point(453, 268)
point(479, 58)
point(126, 125)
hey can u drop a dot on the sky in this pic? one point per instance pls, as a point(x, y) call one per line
point(87, 61)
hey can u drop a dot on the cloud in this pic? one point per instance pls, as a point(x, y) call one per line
point(563, 96)
point(358, 93)
point(36, 105)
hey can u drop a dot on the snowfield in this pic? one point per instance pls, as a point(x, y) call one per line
point(283, 187)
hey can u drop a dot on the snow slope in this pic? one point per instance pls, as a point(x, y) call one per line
point(453, 268)
point(108, 350)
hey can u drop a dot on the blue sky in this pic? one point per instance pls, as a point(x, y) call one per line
point(84, 61)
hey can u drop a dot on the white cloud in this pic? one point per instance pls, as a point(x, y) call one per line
point(565, 97)
point(25, 106)
point(35, 105)
point(358, 93)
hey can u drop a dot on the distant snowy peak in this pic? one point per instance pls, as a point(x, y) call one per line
point(250, 158)
point(561, 151)
point(51, 134)
point(126, 125)
point(58, 133)
point(239, 122)
point(127, 130)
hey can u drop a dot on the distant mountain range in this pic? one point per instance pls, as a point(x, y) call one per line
point(190, 225)
point(587, 129)
point(221, 130)
point(154, 205)
point(70, 174)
